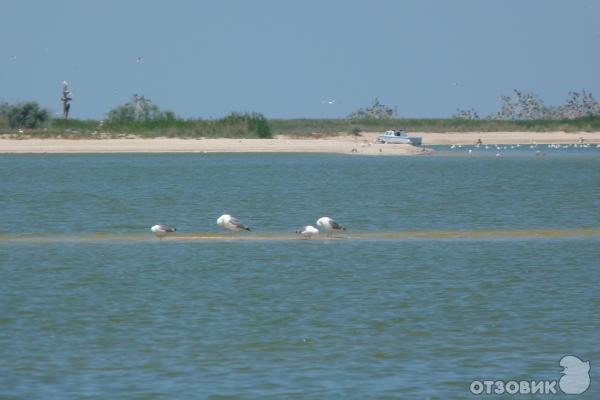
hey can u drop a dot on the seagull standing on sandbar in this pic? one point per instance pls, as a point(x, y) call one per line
point(308, 231)
point(228, 222)
point(161, 230)
point(329, 224)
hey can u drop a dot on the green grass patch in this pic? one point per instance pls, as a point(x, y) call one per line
point(235, 125)
point(332, 126)
point(256, 126)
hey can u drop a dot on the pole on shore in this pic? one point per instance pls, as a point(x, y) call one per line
point(66, 99)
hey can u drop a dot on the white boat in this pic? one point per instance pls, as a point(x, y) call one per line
point(399, 136)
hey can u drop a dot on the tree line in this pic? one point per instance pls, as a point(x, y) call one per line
point(527, 106)
point(520, 106)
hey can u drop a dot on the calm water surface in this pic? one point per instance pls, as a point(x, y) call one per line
point(371, 318)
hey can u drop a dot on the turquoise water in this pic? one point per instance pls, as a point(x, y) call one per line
point(92, 306)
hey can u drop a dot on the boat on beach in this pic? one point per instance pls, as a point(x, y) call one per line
point(399, 136)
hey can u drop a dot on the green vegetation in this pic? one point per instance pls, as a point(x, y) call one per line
point(248, 125)
point(138, 110)
point(257, 126)
point(521, 112)
point(4, 115)
point(28, 115)
point(235, 125)
point(138, 118)
point(377, 110)
point(335, 126)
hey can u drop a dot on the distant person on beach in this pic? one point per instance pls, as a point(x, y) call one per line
point(479, 141)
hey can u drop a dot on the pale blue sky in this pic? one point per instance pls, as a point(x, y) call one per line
point(283, 58)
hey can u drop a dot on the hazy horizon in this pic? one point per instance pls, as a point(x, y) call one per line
point(289, 60)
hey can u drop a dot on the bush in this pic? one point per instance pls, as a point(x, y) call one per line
point(235, 125)
point(528, 106)
point(466, 114)
point(376, 111)
point(254, 123)
point(356, 131)
point(3, 115)
point(139, 109)
point(26, 115)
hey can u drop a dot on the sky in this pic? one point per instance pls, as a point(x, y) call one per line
point(289, 59)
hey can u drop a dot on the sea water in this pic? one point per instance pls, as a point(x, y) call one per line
point(455, 267)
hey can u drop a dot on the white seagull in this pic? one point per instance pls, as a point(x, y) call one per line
point(161, 230)
point(329, 224)
point(308, 231)
point(228, 222)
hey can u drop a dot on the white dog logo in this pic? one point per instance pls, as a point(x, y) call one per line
point(576, 375)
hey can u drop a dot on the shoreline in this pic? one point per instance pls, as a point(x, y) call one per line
point(365, 144)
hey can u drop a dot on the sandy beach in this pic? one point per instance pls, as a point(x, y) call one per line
point(343, 144)
point(509, 137)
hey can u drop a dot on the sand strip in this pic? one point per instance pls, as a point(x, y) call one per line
point(478, 234)
point(345, 144)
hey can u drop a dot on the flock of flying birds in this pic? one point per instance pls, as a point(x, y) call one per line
point(233, 225)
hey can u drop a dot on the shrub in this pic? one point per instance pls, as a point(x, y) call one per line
point(356, 131)
point(466, 114)
point(235, 125)
point(26, 115)
point(256, 123)
point(528, 106)
point(3, 115)
point(244, 125)
point(376, 111)
point(139, 109)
